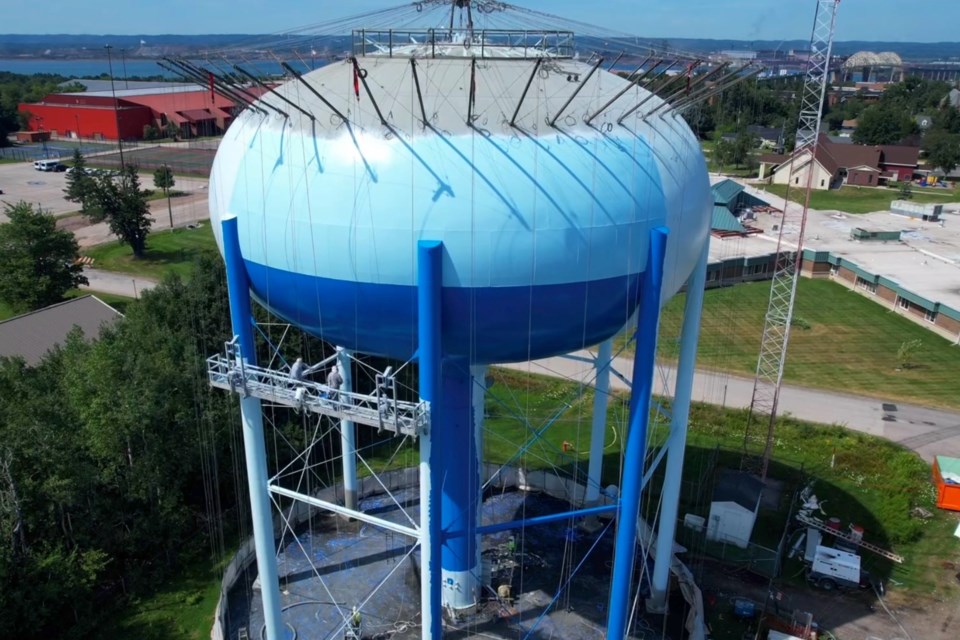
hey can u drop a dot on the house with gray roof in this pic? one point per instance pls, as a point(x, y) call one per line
point(32, 335)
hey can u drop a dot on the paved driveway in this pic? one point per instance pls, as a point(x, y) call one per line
point(929, 432)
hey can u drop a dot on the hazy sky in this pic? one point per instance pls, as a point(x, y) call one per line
point(903, 20)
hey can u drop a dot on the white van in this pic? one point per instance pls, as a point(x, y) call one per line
point(48, 165)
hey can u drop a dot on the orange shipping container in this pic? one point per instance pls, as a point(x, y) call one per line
point(946, 476)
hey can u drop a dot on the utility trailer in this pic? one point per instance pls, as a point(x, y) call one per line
point(837, 569)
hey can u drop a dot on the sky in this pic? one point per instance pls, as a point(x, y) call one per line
point(890, 20)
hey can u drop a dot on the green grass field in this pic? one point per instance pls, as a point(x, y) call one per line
point(167, 251)
point(180, 609)
point(851, 344)
point(863, 199)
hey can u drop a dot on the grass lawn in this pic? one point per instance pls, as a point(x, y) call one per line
point(862, 199)
point(180, 609)
point(851, 344)
point(167, 251)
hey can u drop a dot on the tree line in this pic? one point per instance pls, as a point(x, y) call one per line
point(104, 448)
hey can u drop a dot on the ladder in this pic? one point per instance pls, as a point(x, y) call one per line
point(819, 524)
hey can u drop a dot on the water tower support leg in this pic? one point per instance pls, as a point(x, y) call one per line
point(251, 416)
point(429, 288)
point(621, 586)
point(601, 395)
point(457, 440)
point(686, 366)
point(348, 436)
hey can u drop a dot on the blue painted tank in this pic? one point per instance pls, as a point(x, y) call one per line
point(544, 227)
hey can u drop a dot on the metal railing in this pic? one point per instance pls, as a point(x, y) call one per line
point(482, 43)
point(381, 411)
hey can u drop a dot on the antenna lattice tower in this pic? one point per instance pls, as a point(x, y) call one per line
point(783, 290)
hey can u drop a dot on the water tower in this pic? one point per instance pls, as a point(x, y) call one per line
point(457, 199)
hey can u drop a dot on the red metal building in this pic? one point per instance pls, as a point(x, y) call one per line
point(193, 109)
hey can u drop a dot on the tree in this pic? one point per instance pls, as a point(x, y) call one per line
point(880, 124)
point(907, 351)
point(80, 185)
point(163, 179)
point(906, 191)
point(122, 203)
point(150, 132)
point(172, 129)
point(942, 149)
point(38, 262)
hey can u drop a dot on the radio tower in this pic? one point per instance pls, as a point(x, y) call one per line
point(783, 291)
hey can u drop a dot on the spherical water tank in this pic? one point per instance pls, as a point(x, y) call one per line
point(544, 221)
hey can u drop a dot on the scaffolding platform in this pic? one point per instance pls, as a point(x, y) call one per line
point(278, 387)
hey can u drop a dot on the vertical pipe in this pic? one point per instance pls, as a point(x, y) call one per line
point(429, 287)
point(478, 375)
point(348, 436)
point(455, 438)
point(686, 366)
point(621, 586)
point(238, 287)
point(601, 394)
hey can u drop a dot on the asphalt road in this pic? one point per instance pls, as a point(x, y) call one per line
point(119, 284)
point(929, 432)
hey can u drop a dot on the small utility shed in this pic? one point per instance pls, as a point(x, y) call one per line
point(733, 510)
point(33, 334)
point(946, 476)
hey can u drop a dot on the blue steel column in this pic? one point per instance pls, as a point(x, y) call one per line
point(686, 366)
point(601, 394)
point(621, 586)
point(456, 439)
point(238, 287)
point(429, 289)
point(348, 436)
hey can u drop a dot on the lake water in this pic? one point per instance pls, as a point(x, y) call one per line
point(138, 67)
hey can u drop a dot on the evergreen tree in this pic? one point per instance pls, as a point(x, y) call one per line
point(123, 205)
point(80, 184)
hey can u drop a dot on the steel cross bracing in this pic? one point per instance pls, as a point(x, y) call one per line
point(379, 411)
point(783, 289)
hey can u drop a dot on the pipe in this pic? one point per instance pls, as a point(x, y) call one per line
point(241, 318)
point(348, 435)
point(601, 395)
point(429, 289)
point(682, 393)
point(621, 588)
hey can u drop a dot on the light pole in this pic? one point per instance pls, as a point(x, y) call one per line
point(116, 107)
point(123, 61)
point(166, 181)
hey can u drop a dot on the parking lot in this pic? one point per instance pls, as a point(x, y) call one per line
point(20, 181)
